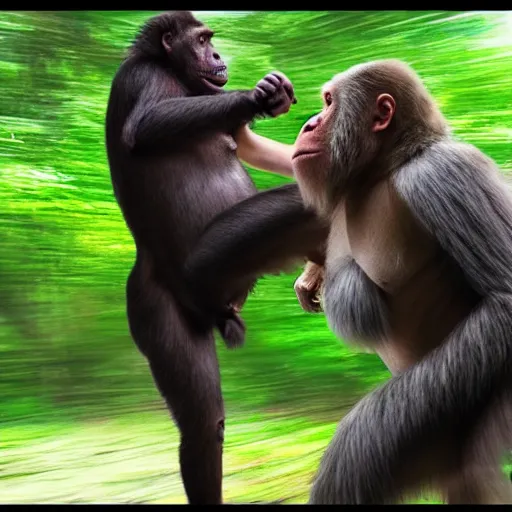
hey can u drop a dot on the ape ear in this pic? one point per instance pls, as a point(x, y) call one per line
point(384, 111)
point(167, 42)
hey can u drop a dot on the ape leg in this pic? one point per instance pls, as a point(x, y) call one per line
point(266, 233)
point(185, 369)
point(481, 480)
point(197, 406)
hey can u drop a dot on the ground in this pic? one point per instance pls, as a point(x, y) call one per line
point(133, 459)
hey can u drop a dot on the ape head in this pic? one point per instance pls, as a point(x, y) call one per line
point(375, 116)
point(182, 44)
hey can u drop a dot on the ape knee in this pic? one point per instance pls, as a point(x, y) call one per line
point(204, 433)
point(214, 432)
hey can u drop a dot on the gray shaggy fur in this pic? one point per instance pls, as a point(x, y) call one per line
point(455, 192)
point(355, 306)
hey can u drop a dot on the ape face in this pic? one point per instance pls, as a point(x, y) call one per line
point(344, 144)
point(181, 45)
point(312, 158)
point(193, 57)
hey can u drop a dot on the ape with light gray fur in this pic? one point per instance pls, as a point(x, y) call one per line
point(418, 268)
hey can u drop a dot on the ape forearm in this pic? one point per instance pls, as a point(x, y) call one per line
point(398, 423)
point(173, 121)
point(266, 233)
point(318, 255)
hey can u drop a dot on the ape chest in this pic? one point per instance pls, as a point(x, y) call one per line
point(216, 148)
point(225, 143)
point(384, 238)
point(223, 178)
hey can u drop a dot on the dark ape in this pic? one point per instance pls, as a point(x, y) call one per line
point(170, 135)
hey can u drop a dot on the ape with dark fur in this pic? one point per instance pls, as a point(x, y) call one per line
point(170, 136)
point(418, 268)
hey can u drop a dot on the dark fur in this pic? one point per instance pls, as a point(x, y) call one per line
point(239, 245)
point(443, 421)
point(174, 169)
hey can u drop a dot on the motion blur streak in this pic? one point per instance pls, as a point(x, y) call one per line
point(77, 399)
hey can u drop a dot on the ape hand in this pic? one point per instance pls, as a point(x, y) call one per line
point(285, 96)
point(275, 94)
point(226, 318)
point(307, 287)
point(232, 328)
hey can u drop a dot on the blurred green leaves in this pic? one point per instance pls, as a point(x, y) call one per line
point(66, 251)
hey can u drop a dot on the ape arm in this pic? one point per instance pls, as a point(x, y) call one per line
point(308, 287)
point(456, 193)
point(158, 120)
point(453, 190)
point(265, 233)
point(263, 153)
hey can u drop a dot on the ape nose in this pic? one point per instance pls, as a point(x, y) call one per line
point(216, 56)
point(312, 123)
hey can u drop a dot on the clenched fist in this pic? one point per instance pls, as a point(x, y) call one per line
point(275, 93)
point(308, 287)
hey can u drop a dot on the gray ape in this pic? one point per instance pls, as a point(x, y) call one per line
point(419, 268)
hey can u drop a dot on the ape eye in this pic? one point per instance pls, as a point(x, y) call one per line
point(328, 98)
point(202, 39)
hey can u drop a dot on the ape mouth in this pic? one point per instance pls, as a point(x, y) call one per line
point(305, 152)
point(217, 77)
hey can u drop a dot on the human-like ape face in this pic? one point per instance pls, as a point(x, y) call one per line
point(193, 57)
point(342, 139)
point(312, 157)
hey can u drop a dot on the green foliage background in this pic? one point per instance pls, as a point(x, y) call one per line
point(80, 419)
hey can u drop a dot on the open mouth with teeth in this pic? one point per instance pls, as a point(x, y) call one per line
point(217, 77)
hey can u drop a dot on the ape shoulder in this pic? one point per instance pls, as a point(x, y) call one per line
point(138, 85)
point(138, 78)
point(457, 194)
